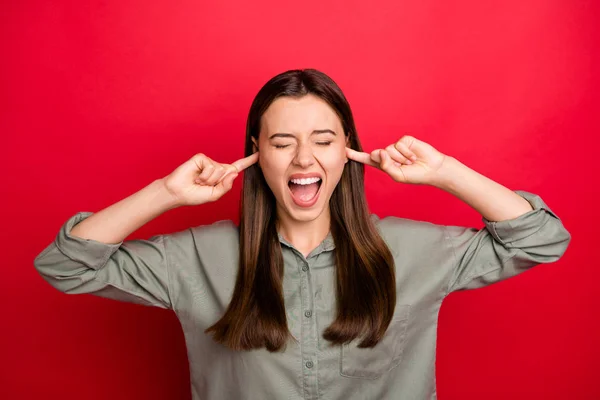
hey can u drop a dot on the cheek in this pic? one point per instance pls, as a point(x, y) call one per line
point(273, 168)
point(333, 161)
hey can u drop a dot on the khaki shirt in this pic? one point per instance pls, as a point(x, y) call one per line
point(193, 273)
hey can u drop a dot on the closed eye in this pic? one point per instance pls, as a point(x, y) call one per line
point(281, 146)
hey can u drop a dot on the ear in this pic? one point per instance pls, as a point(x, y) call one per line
point(255, 149)
point(347, 145)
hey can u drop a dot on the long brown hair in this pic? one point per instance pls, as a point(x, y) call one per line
point(365, 278)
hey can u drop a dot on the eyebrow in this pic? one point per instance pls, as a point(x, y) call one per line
point(287, 135)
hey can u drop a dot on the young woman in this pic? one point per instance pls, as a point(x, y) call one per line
point(311, 297)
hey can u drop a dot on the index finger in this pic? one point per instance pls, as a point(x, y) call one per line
point(361, 157)
point(245, 162)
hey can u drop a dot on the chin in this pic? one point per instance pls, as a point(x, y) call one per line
point(305, 215)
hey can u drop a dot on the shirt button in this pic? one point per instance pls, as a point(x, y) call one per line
point(305, 268)
point(309, 364)
point(307, 314)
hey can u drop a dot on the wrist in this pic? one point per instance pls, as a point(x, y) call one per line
point(448, 174)
point(164, 198)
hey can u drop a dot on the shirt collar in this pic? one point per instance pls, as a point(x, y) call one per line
point(327, 244)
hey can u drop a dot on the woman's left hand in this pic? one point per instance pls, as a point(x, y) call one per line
point(409, 160)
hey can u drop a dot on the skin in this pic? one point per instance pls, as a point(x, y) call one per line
point(305, 152)
point(409, 160)
point(413, 161)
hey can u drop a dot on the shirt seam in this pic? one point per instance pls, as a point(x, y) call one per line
point(167, 268)
point(475, 274)
point(495, 234)
point(128, 291)
point(302, 360)
point(447, 238)
point(512, 246)
point(505, 244)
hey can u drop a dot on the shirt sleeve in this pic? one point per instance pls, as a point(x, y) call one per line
point(134, 271)
point(506, 248)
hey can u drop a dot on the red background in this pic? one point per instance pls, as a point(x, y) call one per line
point(101, 97)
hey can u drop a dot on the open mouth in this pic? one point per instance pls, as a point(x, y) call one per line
point(305, 191)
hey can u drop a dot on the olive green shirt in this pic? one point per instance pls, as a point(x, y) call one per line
point(193, 273)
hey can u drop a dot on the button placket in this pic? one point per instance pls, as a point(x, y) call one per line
point(309, 331)
point(308, 326)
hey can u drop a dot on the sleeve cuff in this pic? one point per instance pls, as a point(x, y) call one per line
point(90, 252)
point(525, 225)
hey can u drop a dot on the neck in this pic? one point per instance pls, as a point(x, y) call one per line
point(304, 235)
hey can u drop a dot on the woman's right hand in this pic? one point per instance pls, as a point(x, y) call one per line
point(201, 180)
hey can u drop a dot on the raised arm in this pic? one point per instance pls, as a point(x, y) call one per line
point(89, 254)
point(520, 230)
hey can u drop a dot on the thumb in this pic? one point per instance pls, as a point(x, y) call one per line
point(386, 165)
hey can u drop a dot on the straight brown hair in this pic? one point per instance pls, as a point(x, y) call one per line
point(365, 277)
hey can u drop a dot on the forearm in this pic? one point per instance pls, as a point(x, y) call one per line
point(114, 223)
point(492, 200)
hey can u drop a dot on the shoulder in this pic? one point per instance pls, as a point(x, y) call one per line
point(404, 234)
point(405, 226)
point(221, 229)
point(219, 234)
point(208, 236)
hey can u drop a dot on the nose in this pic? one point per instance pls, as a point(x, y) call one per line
point(304, 156)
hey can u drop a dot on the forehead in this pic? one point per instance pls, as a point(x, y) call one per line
point(299, 115)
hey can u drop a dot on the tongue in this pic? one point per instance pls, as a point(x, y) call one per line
point(304, 192)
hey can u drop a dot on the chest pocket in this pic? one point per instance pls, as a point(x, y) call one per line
point(371, 363)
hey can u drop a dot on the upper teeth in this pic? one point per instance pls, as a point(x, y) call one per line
point(306, 181)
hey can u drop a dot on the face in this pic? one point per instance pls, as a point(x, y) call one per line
point(301, 136)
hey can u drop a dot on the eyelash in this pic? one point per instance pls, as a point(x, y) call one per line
point(279, 146)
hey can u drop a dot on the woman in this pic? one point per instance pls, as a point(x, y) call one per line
point(323, 300)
